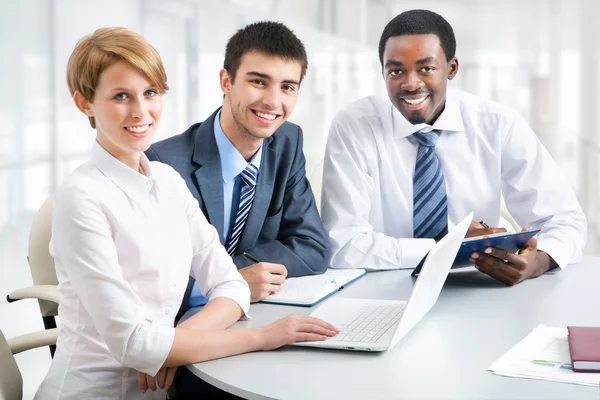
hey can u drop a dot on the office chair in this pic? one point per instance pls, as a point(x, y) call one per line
point(11, 381)
point(41, 265)
point(506, 220)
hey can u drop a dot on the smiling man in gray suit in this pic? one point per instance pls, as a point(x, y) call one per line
point(246, 168)
point(245, 164)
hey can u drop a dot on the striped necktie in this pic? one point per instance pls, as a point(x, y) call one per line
point(249, 176)
point(429, 190)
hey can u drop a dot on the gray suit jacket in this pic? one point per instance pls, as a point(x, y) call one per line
point(283, 225)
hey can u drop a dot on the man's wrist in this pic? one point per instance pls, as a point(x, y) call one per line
point(545, 262)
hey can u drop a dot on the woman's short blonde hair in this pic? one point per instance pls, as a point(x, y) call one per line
point(103, 48)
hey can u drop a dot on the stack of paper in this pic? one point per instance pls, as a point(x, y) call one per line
point(543, 354)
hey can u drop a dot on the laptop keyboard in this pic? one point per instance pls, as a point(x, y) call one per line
point(370, 324)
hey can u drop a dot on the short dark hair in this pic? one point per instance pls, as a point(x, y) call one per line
point(420, 22)
point(272, 38)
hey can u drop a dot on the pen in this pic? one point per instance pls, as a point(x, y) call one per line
point(486, 226)
point(251, 258)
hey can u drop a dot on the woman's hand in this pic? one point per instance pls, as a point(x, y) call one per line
point(163, 379)
point(295, 328)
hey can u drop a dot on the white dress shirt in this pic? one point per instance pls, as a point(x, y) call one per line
point(486, 150)
point(124, 245)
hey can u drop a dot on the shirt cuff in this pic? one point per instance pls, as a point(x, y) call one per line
point(412, 251)
point(558, 250)
point(241, 299)
point(150, 352)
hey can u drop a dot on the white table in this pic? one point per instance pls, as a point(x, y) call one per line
point(446, 356)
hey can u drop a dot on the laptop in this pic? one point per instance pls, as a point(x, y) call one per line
point(378, 325)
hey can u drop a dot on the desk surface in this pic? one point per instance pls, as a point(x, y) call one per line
point(475, 321)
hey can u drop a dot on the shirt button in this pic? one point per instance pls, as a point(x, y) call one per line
point(167, 311)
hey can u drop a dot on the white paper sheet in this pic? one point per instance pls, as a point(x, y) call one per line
point(543, 354)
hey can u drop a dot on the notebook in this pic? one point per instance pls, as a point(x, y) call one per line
point(510, 242)
point(306, 291)
point(378, 325)
point(584, 345)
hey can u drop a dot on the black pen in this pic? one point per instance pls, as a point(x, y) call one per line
point(255, 260)
point(251, 258)
point(486, 226)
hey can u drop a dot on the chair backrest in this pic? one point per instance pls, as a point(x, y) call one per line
point(316, 183)
point(11, 381)
point(41, 262)
point(508, 218)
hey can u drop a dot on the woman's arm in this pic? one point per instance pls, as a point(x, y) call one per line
point(217, 314)
point(192, 346)
point(201, 338)
point(213, 268)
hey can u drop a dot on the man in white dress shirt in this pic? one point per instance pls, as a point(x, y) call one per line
point(448, 153)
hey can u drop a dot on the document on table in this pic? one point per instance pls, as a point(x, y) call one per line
point(543, 354)
point(306, 291)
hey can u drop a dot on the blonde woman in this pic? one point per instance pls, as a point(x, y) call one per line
point(126, 233)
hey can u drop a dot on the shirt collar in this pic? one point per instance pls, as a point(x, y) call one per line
point(450, 120)
point(232, 162)
point(134, 184)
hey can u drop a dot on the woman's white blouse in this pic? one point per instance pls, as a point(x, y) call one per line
point(124, 245)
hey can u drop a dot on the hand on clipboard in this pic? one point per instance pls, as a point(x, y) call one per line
point(501, 245)
point(494, 253)
point(507, 266)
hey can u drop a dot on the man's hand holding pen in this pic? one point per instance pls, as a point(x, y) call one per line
point(481, 228)
point(263, 278)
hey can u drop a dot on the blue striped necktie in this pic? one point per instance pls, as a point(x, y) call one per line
point(249, 176)
point(429, 190)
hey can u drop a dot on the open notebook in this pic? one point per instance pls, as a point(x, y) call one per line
point(306, 291)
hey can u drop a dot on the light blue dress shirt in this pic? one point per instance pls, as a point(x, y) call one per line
point(232, 164)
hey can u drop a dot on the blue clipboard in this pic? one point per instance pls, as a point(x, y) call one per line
point(510, 242)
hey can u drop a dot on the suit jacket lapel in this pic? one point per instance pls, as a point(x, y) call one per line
point(262, 197)
point(209, 175)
